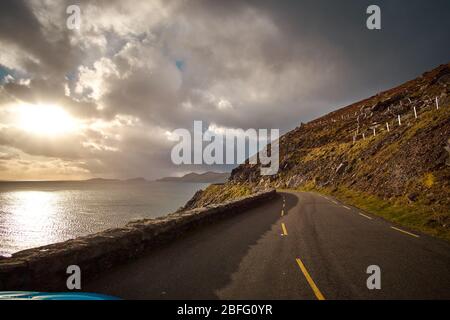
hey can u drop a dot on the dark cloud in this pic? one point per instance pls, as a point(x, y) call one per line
point(137, 69)
point(45, 49)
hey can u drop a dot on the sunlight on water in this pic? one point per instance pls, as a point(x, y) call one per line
point(37, 214)
point(33, 209)
point(31, 217)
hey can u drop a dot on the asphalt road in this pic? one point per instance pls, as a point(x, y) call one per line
point(298, 246)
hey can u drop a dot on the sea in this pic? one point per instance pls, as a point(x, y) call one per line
point(34, 214)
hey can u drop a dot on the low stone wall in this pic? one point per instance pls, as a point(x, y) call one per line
point(44, 268)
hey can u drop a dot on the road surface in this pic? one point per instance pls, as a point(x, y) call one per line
point(297, 246)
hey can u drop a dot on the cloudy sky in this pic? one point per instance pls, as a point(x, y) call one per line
point(100, 101)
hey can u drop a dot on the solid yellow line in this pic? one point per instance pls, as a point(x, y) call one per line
point(313, 286)
point(363, 215)
point(284, 229)
point(409, 233)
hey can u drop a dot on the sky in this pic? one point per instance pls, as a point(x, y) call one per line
point(102, 100)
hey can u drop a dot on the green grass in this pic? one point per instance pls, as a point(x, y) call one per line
point(220, 193)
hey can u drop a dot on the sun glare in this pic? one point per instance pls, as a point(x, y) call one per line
point(45, 120)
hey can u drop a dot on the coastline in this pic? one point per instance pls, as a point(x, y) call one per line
point(39, 214)
point(44, 268)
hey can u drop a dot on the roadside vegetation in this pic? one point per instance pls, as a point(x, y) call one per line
point(218, 193)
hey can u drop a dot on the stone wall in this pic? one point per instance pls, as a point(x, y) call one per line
point(44, 268)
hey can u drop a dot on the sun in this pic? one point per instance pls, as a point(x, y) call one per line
point(49, 120)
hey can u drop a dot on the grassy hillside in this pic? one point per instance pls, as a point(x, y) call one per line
point(364, 156)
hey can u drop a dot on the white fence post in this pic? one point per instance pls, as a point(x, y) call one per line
point(387, 126)
point(364, 136)
point(399, 121)
point(415, 112)
point(437, 103)
point(374, 132)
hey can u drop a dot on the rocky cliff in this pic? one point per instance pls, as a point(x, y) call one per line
point(388, 154)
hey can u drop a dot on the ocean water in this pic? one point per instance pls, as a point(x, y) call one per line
point(33, 214)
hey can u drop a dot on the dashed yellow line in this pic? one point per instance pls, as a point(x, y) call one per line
point(406, 232)
point(311, 283)
point(282, 212)
point(363, 215)
point(283, 227)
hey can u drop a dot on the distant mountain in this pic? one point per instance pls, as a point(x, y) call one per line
point(100, 180)
point(135, 180)
point(207, 177)
point(93, 180)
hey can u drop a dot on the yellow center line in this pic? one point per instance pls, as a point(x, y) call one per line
point(284, 229)
point(408, 233)
point(363, 215)
point(313, 286)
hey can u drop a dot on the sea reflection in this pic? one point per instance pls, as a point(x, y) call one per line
point(34, 214)
point(31, 217)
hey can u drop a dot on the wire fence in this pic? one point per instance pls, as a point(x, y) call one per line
point(370, 122)
point(398, 116)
